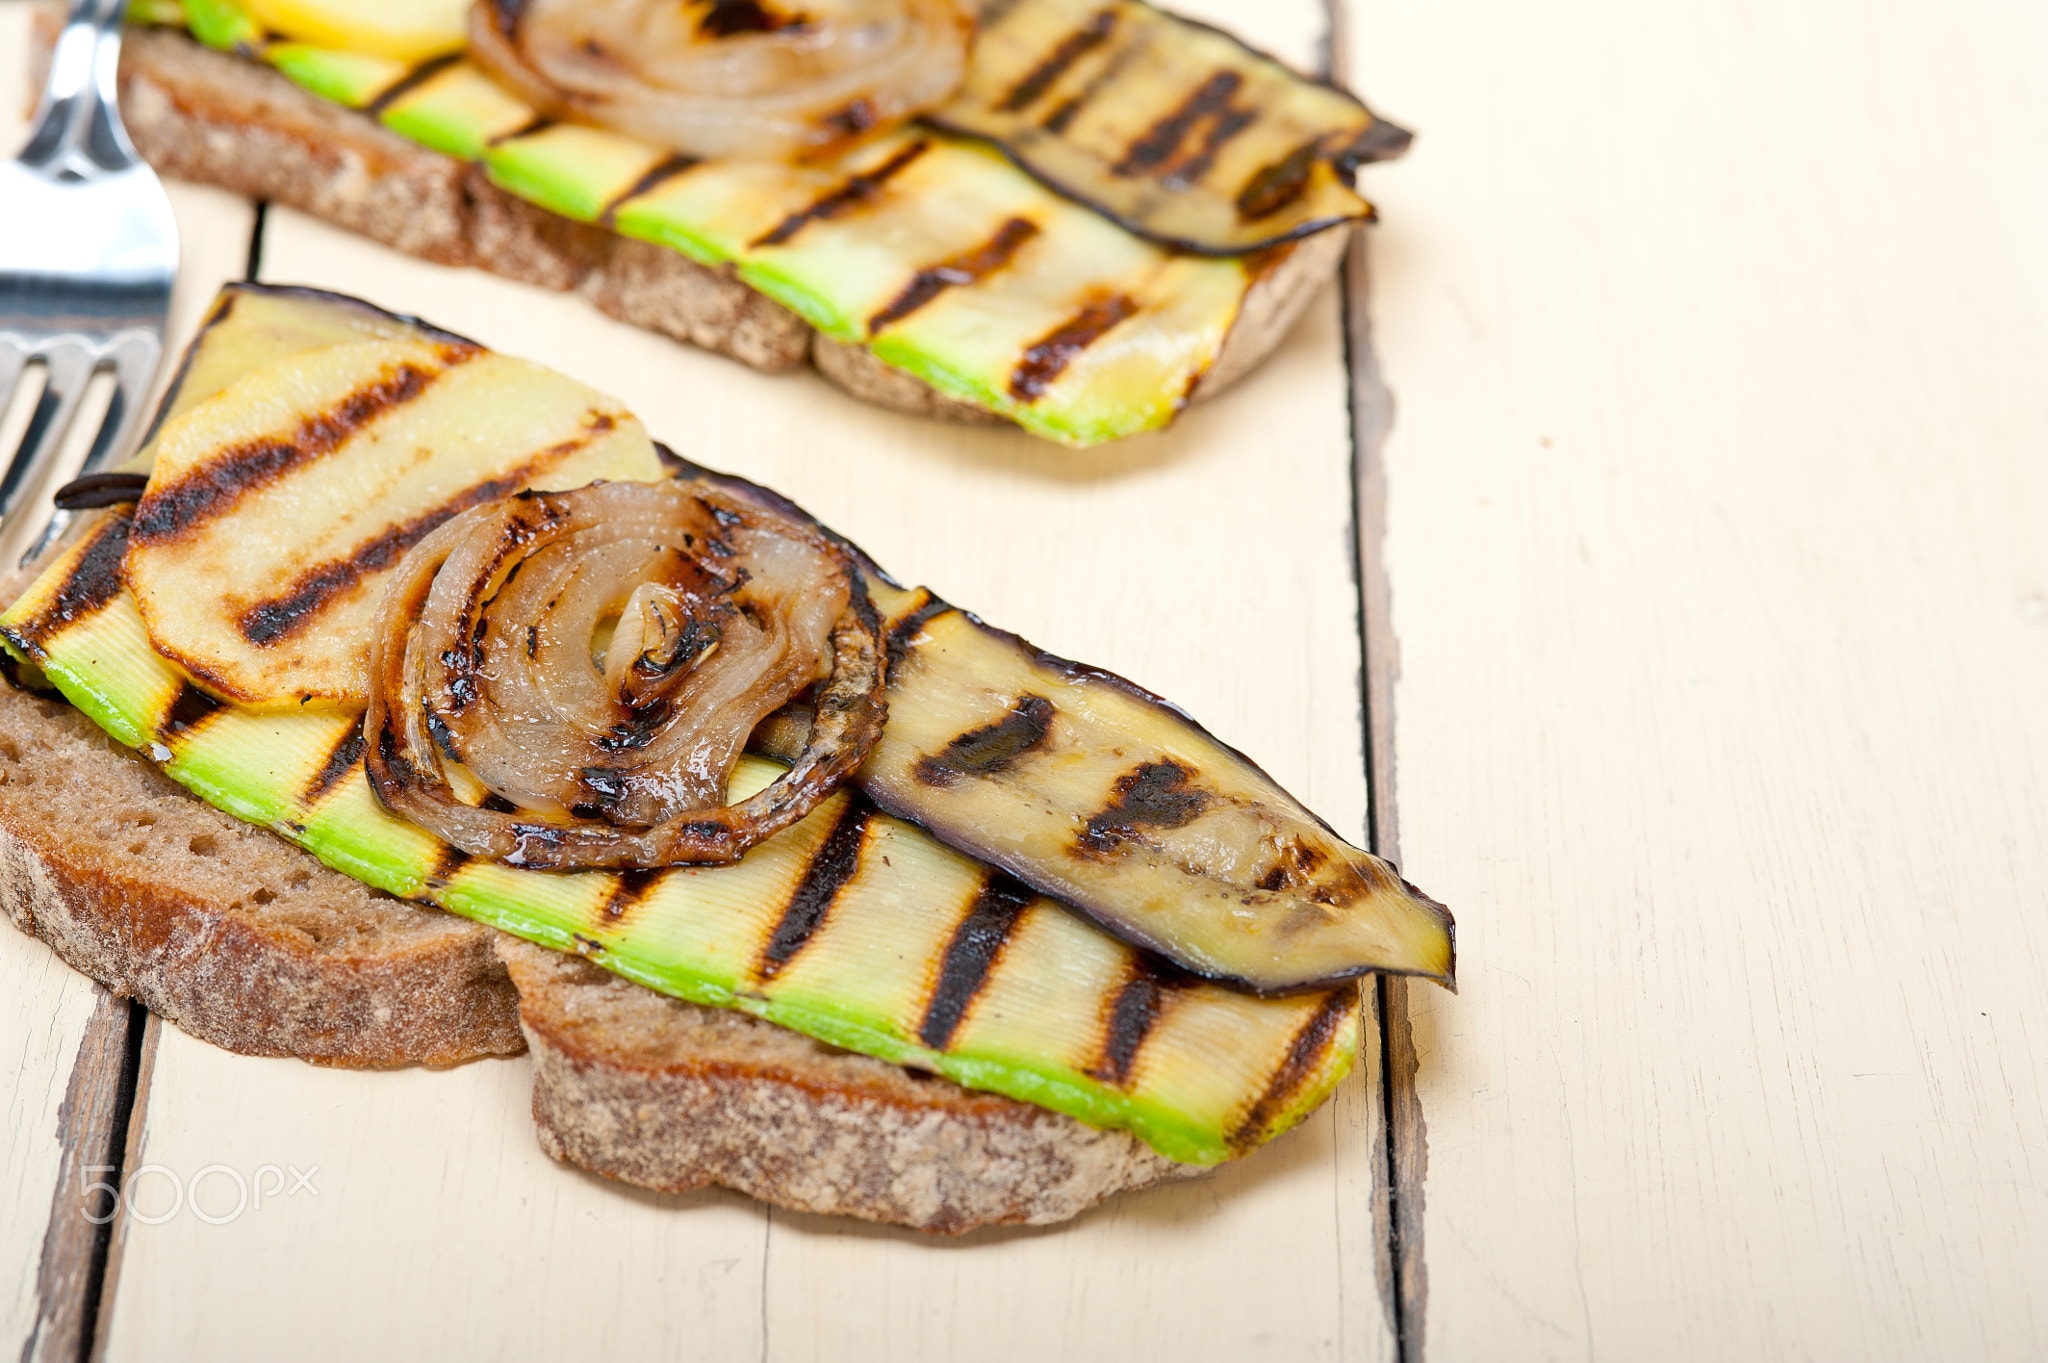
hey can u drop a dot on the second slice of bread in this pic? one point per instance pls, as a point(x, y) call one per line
point(211, 117)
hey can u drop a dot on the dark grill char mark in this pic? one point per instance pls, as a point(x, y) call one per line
point(1303, 1058)
point(1150, 153)
point(447, 865)
point(409, 82)
point(853, 194)
point(603, 788)
point(727, 17)
point(177, 508)
point(1274, 187)
point(190, 708)
point(508, 13)
point(630, 889)
point(1132, 1015)
point(851, 120)
point(1187, 173)
point(1154, 795)
point(668, 169)
point(341, 760)
point(993, 747)
point(94, 581)
point(969, 267)
point(834, 863)
point(1071, 49)
point(280, 617)
point(1048, 359)
point(906, 629)
point(538, 123)
point(100, 489)
point(971, 955)
point(1056, 122)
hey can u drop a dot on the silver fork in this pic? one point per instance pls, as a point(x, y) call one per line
point(88, 250)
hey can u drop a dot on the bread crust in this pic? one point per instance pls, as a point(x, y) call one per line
point(668, 1095)
point(221, 927)
point(197, 114)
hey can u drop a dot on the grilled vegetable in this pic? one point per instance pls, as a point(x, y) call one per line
point(1106, 797)
point(1101, 794)
point(278, 507)
point(727, 77)
point(852, 927)
point(1178, 131)
point(1076, 782)
point(719, 611)
point(932, 250)
point(407, 30)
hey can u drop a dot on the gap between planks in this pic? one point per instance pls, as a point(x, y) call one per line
point(107, 1093)
point(100, 1134)
point(1403, 1158)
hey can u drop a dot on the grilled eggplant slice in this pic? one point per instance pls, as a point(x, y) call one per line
point(278, 507)
point(1174, 129)
point(852, 927)
point(1078, 783)
point(1099, 793)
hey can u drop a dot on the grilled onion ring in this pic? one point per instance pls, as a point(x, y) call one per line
point(715, 78)
point(494, 725)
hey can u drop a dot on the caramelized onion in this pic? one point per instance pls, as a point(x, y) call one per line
point(712, 78)
point(567, 678)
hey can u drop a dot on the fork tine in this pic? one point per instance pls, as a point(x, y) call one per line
point(134, 366)
point(13, 359)
point(70, 368)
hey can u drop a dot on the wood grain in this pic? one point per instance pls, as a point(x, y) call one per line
point(45, 1007)
point(45, 1012)
point(1715, 506)
point(62, 1039)
point(434, 1202)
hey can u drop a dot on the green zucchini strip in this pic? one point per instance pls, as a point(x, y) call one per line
point(852, 927)
point(929, 248)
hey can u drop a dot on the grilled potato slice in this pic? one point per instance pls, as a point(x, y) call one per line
point(277, 507)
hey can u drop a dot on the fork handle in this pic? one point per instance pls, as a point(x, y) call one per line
point(78, 124)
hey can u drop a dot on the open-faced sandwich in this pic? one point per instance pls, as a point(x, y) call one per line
point(828, 891)
point(1075, 215)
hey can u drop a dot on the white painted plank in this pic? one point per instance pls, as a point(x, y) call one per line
point(1210, 563)
point(44, 1005)
point(429, 1223)
point(1716, 334)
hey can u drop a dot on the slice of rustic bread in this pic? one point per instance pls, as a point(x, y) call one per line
point(197, 114)
point(246, 941)
point(221, 927)
point(672, 1096)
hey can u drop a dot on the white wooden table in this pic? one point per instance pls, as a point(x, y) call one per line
point(1701, 602)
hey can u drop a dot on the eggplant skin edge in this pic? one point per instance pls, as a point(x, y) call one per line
point(1381, 140)
point(1083, 672)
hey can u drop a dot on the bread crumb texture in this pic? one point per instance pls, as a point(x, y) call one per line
point(220, 926)
point(672, 1096)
